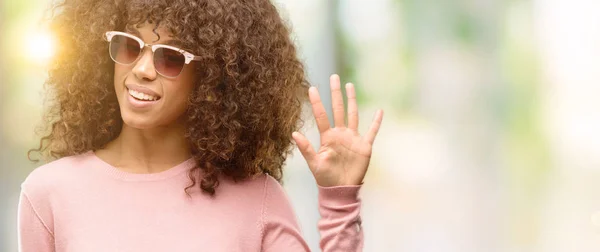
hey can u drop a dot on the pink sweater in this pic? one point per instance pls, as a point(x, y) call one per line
point(83, 204)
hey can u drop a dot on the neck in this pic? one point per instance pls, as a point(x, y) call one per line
point(148, 150)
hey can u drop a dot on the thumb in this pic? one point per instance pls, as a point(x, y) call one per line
point(308, 152)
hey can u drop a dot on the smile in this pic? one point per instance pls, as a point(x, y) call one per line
point(142, 96)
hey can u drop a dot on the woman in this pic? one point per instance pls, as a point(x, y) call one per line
point(171, 121)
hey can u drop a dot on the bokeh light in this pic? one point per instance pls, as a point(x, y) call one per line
point(40, 47)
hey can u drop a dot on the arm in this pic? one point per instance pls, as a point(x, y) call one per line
point(339, 225)
point(339, 166)
point(280, 230)
point(33, 234)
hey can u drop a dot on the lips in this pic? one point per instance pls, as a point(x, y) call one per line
point(140, 105)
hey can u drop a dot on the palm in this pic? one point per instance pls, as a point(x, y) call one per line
point(344, 155)
point(342, 158)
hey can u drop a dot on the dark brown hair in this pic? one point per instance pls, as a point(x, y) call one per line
point(246, 103)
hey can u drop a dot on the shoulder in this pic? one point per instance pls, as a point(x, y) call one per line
point(261, 184)
point(266, 194)
point(273, 189)
point(46, 178)
point(274, 200)
point(249, 188)
point(258, 190)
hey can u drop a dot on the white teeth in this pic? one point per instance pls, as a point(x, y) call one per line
point(142, 96)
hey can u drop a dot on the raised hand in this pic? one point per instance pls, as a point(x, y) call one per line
point(344, 155)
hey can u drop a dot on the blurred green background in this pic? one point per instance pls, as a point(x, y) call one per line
point(490, 139)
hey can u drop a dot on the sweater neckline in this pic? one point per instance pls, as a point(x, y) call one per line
point(130, 176)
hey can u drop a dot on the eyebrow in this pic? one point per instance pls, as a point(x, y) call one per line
point(170, 42)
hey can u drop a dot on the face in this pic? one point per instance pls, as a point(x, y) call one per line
point(146, 98)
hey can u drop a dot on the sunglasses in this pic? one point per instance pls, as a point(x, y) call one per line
point(126, 49)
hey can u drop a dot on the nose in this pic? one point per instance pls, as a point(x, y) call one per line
point(144, 67)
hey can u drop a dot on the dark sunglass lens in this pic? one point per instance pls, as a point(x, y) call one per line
point(168, 62)
point(123, 49)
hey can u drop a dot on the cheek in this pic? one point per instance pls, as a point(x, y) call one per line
point(122, 69)
point(180, 92)
point(184, 86)
point(120, 73)
point(174, 106)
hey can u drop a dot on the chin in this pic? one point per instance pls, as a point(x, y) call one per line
point(138, 122)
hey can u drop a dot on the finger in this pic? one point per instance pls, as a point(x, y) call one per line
point(352, 107)
point(318, 109)
point(337, 100)
point(372, 133)
point(308, 152)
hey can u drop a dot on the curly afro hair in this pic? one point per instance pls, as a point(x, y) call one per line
point(245, 105)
